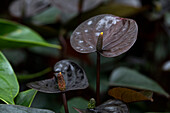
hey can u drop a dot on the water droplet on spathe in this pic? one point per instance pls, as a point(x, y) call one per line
point(89, 23)
point(81, 41)
point(86, 30)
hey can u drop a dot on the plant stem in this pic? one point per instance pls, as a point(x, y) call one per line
point(65, 102)
point(98, 80)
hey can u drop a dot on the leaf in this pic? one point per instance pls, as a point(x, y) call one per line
point(119, 34)
point(75, 102)
point(27, 8)
point(47, 101)
point(130, 78)
point(35, 75)
point(9, 86)
point(21, 109)
point(74, 76)
point(110, 106)
point(25, 98)
point(14, 35)
point(41, 19)
point(129, 95)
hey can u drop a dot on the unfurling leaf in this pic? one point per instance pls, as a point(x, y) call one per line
point(110, 106)
point(74, 78)
point(119, 34)
point(92, 103)
point(129, 95)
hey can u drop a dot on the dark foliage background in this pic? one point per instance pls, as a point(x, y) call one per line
point(55, 22)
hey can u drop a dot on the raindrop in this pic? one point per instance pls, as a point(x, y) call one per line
point(86, 30)
point(77, 33)
point(89, 23)
point(91, 47)
point(81, 41)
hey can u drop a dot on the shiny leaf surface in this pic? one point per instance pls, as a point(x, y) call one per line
point(119, 34)
point(14, 35)
point(9, 86)
point(25, 98)
point(74, 76)
point(110, 106)
point(129, 95)
point(130, 78)
point(21, 109)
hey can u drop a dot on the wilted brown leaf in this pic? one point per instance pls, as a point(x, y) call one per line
point(129, 95)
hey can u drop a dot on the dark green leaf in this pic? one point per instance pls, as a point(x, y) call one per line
point(48, 101)
point(42, 19)
point(130, 78)
point(21, 109)
point(35, 75)
point(14, 35)
point(25, 98)
point(9, 87)
point(75, 102)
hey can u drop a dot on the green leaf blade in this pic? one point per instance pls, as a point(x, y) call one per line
point(33, 76)
point(129, 78)
point(25, 98)
point(9, 87)
point(16, 35)
point(21, 109)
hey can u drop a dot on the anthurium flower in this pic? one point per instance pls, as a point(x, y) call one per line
point(68, 76)
point(113, 35)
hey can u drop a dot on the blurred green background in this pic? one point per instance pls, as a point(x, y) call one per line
point(55, 20)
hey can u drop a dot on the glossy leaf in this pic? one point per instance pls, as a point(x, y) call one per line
point(128, 95)
point(130, 78)
point(119, 34)
point(25, 98)
point(14, 35)
point(35, 75)
point(75, 102)
point(74, 76)
point(9, 87)
point(21, 109)
point(110, 106)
